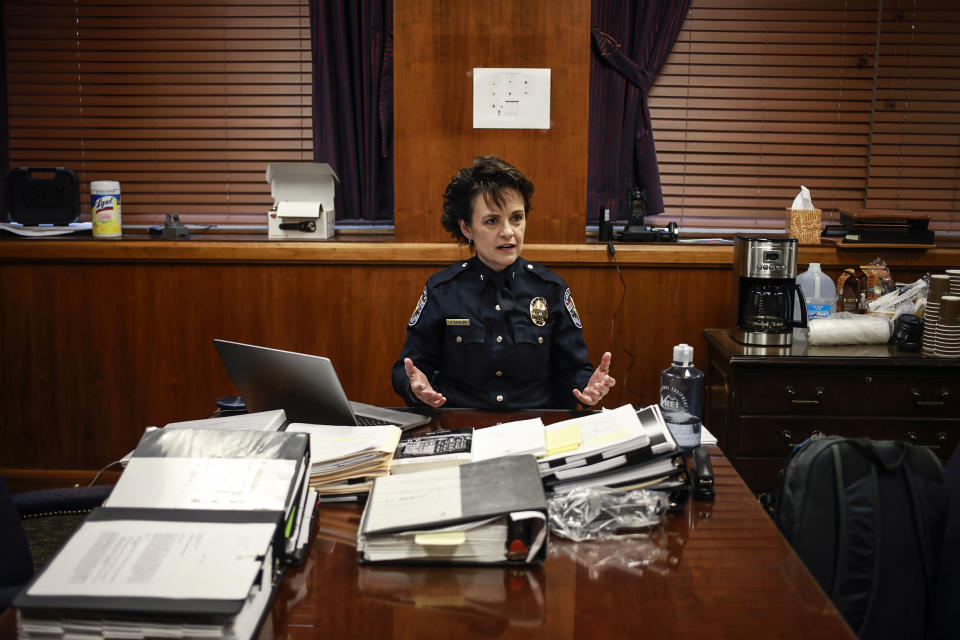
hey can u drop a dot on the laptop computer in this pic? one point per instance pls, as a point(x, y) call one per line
point(306, 387)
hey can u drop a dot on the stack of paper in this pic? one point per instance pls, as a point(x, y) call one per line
point(273, 420)
point(169, 574)
point(344, 460)
point(619, 448)
point(451, 447)
point(493, 511)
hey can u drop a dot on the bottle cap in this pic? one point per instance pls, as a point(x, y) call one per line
point(814, 266)
point(683, 353)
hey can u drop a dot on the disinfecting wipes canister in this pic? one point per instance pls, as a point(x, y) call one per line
point(105, 212)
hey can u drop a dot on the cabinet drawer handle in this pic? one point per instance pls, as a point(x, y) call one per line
point(940, 438)
point(787, 438)
point(792, 394)
point(944, 394)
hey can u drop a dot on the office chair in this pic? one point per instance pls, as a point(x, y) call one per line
point(33, 527)
point(16, 563)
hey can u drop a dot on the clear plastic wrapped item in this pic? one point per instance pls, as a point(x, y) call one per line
point(590, 513)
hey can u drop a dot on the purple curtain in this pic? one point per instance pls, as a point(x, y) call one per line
point(631, 41)
point(353, 103)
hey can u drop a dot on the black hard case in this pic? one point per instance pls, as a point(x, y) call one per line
point(43, 196)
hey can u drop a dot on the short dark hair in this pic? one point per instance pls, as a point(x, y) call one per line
point(489, 176)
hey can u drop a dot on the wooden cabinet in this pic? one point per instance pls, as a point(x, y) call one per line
point(761, 401)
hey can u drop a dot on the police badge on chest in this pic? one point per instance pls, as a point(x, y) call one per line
point(538, 311)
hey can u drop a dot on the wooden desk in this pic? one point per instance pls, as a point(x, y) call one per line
point(763, 401)
point(717, 570)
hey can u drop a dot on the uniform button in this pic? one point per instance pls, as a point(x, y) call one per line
point(499, 338)
point(499, 398)
point(529, 266)
point(497, 307)
point(499, 373)
point(459, 339)
point(540, 339)
point(464, 264)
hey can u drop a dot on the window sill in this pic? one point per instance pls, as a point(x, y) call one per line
point(368, 248)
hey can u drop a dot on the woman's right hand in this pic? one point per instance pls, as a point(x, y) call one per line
point(421, 387)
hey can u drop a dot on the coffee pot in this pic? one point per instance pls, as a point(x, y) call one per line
point(766, 269)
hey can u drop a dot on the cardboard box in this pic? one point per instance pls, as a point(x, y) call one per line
point(804, 225)
point(303, 195)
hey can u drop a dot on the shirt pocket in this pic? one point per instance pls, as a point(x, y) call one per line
point(465, 354)
point(531, 354)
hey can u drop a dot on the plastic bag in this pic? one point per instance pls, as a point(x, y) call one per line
point(591, 513)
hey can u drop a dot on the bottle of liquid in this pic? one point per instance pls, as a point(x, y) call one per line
point(681, 398)
point(820, 292)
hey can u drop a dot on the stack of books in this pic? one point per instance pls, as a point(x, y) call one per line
point(345, 460)
point(191, 542)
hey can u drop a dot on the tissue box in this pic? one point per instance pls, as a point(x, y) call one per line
point(804, 225)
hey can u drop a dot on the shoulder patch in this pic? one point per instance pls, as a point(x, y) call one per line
point(571, 308)
point(421, 303)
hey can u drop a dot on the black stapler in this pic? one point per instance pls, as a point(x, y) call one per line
point(702, 475)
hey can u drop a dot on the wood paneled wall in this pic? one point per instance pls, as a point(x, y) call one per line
point(438, 44)
point(94, 352)
point(98, 341)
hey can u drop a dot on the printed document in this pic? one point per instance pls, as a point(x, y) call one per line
point(204, 483)
point(158, 559)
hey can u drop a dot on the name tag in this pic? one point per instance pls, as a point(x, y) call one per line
point(458, 322)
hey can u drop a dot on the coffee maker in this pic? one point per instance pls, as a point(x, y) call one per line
point(766, 268)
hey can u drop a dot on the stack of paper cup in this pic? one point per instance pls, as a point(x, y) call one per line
point(948, 328)
point(939, 287)
point(954, 275)
point(105, 211)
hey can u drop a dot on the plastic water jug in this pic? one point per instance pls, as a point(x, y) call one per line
point(820, 292)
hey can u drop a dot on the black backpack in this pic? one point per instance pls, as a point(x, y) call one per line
point(867, 518)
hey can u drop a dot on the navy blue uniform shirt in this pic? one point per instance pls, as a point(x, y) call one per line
point(496, 340)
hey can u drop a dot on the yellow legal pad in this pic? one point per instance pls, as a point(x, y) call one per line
point(564, 439)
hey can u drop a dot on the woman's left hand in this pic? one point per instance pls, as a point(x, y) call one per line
point(600, 383)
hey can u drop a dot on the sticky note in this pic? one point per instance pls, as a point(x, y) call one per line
point(441, 538)
point(564, 439)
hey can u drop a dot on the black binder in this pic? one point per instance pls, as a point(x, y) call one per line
point(498, 489)
point(74, 603)
point(246, 445)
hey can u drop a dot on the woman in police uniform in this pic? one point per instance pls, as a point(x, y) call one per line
point(496, 331)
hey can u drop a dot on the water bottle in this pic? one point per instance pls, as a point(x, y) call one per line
point(681, 397)
point(820, 292)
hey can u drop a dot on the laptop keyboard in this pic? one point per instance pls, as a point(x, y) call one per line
point(369, 421)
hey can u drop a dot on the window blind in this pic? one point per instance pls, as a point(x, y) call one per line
point(184, 103)
point(857, 100)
